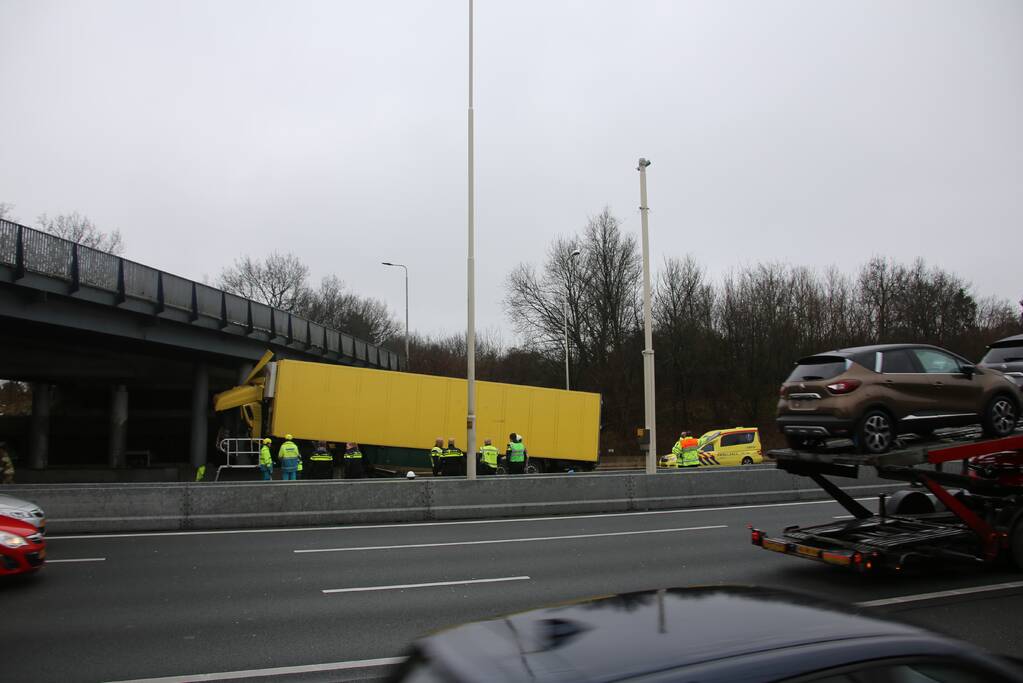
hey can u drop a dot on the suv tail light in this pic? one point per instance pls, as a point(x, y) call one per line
point(844, 386)
point(781, 391)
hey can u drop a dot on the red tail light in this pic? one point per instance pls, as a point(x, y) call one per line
point(781, 391)
point(757, 536)
point(844, 386)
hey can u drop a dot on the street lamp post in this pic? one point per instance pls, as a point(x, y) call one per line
point(401, 265)
point(571, 260)
point(648, 351)
point(470, 335)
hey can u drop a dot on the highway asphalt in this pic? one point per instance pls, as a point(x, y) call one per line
point(317, 603)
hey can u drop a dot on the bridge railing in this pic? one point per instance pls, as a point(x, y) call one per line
point(27, 250)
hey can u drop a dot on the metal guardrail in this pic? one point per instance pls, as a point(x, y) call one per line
point(27, 250)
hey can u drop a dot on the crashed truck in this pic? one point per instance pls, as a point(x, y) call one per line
point(396, 416)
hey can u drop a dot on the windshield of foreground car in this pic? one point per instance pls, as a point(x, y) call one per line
point(818, 367)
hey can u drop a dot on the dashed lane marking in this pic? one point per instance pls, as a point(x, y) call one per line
point(511, 540)
point(78, 559)
point(401, 586)
point(276, 671)
point(941, 595)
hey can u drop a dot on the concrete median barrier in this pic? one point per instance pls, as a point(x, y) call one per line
point(105, 508)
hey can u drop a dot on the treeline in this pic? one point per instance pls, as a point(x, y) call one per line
point(722, 346)
point(282, 281)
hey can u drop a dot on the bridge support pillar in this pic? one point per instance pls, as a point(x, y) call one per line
point(118, 425)
point(39, 438)
point(200, 406)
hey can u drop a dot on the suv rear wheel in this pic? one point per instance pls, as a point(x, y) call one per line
point(1000, 416)
point(875, 434)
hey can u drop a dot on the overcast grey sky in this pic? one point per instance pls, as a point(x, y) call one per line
point(814, 132)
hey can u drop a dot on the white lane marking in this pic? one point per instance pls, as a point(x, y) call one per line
point(276, 671)
point(79, 559)
point(423, 585)
point(511, 540)
point(351, 527)
point(843, 517)
point(941, 594)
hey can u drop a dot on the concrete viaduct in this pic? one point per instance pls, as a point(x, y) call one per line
point(123, 358)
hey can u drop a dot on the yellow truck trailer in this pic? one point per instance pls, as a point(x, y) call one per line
point(396, 416)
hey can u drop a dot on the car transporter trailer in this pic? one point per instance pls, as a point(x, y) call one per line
point(975, 516)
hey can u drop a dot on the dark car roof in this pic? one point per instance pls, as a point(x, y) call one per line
point(633, 634)
point(1014, 340)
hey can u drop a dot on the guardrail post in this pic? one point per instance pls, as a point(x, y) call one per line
point(76, 280)
point(160, 304)
point(290, 335)
point(223, 309)
point(19, 254)
point(273, 324)
point(248, 316)
point(308, 335)
point(194, 314)
point(121, 295)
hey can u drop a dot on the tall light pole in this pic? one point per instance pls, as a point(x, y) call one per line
point(402, 265)
point(648, 351)
point(571, 260)
point(470, 335)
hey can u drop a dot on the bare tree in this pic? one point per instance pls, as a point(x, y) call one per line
point(6, 211)
point(279, 280)
point(78, 228)
point(332, 304)
point(683, 310)
point(881, 284)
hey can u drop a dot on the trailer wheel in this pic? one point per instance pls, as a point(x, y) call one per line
point(875, 433)
point(908, 502)
point(1000, 416)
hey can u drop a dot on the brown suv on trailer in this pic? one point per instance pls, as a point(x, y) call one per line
point(872, 394)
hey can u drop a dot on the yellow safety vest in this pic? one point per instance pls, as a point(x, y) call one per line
point(353, 455)
point(265, 457)
point(451, 453)
point(322, 456)
point(518, 452)
point(490, 454)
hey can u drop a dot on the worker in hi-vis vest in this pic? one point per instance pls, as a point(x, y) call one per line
point(266, 463)
point(436, 453)
point(686, 451)
point(488, 457)
point(516, 454)
point(452, 460)
point(354, 467)
point(290, 459)
point(321, 462)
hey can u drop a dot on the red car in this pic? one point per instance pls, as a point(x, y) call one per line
point(22, 547)
point(1004, 468)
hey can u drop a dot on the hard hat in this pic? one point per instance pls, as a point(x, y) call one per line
point(288, 437)
point(410, 475)
point(266, 440)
